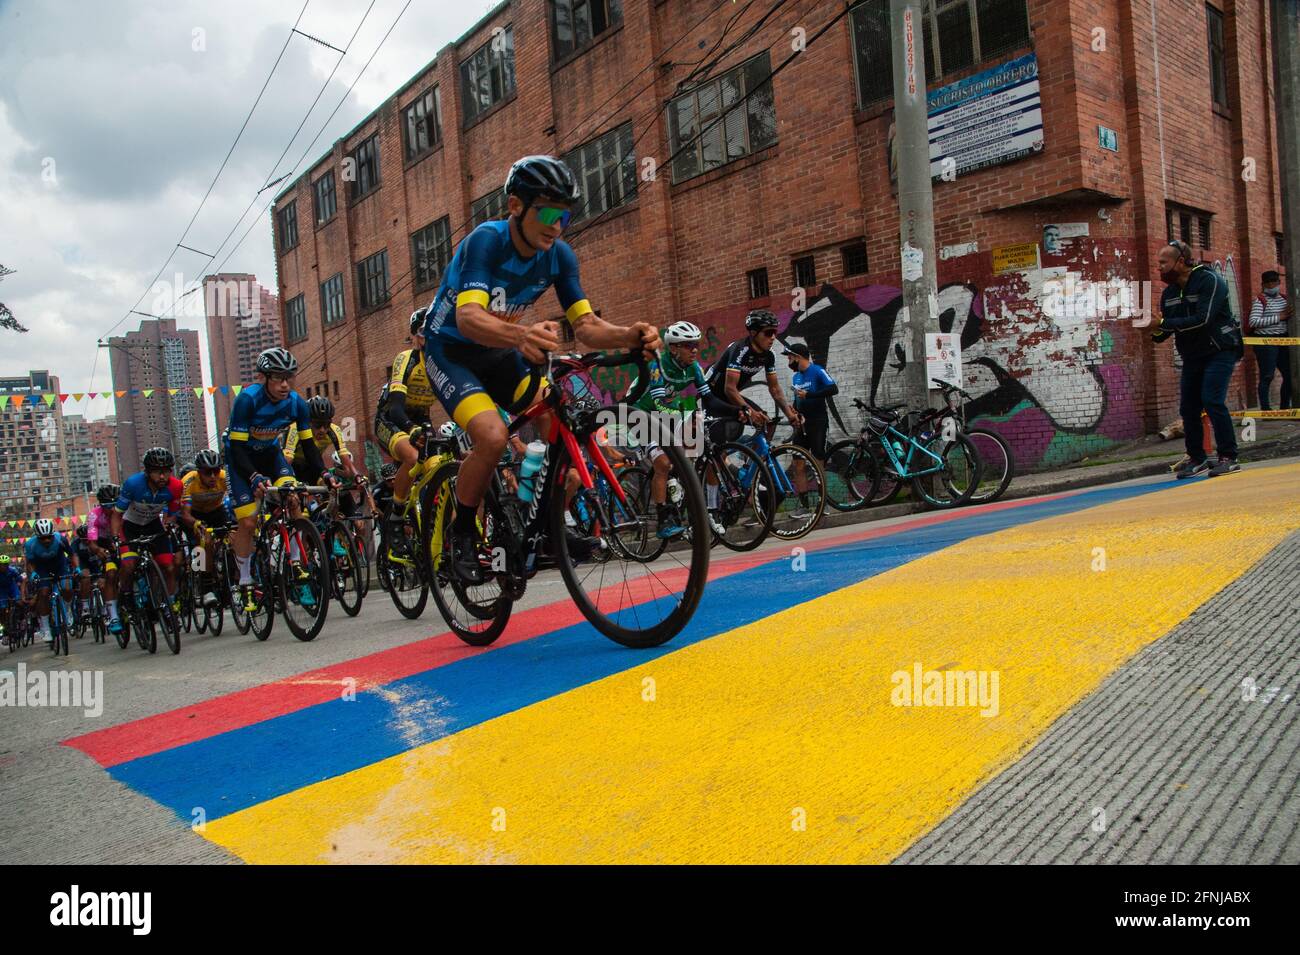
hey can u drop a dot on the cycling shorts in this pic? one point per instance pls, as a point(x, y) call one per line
point(268, 462)
point(470, 379)
point(160, 546)
point(389, 432)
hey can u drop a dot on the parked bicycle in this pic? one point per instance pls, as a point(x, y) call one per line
point(997, 463)
point(629, 601)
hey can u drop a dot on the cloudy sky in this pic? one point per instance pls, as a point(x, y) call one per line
point(116, 114)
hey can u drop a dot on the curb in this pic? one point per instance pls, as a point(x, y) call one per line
point(1034, 484)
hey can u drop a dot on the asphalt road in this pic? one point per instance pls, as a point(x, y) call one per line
point(770, 730)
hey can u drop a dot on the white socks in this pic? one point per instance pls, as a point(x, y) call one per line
point(245, 568)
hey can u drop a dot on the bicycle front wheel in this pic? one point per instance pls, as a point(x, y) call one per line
point(304, 577)
point(852, 476)
point(166, 617)
point(633, 603)
point(746, 496)
point(957, 481)
point(801, 491)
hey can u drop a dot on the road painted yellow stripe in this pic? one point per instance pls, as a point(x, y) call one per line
point(778, 741)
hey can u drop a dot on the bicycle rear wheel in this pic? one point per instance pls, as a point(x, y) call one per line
point(636, 604)
point(746, 495)
point(801, 491)
point(304, 579)
point(852, 476)
point(632, 519)
point(477, 614)
point(997, 464)
point(403, 578)
point(262, 617)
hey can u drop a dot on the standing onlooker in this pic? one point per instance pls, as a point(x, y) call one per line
point(1268, 318)
point(1194, 309)
point(812, 386)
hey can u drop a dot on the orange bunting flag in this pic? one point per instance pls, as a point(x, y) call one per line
point(120, 394)
point(212, 390)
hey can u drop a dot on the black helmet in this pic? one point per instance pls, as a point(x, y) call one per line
point(207, 460)
point(760, 318)
point(320, 408)
point(388, 471)
point(81, 530)
point(108, 493)
point(417, 319)
point(535, 176)
point(158, 459)
point(277, 360)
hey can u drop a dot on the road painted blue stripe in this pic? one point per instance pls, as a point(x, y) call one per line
point(232, 771)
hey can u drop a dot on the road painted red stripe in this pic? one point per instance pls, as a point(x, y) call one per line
point(162, 731)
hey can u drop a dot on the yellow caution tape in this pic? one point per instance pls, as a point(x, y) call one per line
point(1291, 413)
point(1271, 341)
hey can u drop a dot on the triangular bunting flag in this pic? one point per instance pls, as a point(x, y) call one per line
point(4, 400)
point(92, 394)
point(172, 391)
point(3, 525)
point(147, 392)
point(198, 392)
point(49, 399)
point(78, 395)
point(225, 389)
point(120, 394)
point(236, 389)
point(212, 390)
point(63, 398)
point(33, 399)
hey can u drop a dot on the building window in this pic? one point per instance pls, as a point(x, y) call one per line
point(606, 171)
point(1218, 57)
point(711, 125)
point(430, 252)
point(488, 76)
point(805, 272)
point(1203, 226)
point(854, 258)
point(423, 127)
point(491, 206)
point(957, 34)
point(295, 324)
point(331, 300)
point(575, 23)
point(326, 202)
point(365, 167)
point(1185, 227)
point(757, 283)
point(288, 226)
point(372, 280)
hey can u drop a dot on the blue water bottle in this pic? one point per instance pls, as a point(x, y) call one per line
point(533, 459)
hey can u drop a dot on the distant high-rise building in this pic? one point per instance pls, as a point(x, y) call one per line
point(33, 462)
point(156, 357)
point(103, 442)
point(243, 320)
point(79, 454)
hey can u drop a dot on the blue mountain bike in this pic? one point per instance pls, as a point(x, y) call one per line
point(798, 482)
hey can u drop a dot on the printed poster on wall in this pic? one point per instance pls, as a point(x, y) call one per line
point(942, 359)
point(993, 117)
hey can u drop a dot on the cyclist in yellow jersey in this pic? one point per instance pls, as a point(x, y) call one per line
point(402, 416)
point(328, 438)
point(204, 504)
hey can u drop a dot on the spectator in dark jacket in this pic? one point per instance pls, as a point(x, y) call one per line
point(1194, 309)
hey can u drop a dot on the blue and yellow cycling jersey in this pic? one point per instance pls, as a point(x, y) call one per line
point(488, 271)
point(259, 421)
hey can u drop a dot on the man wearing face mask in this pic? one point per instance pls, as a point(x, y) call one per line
point(1268, 318)
point(1194, 309)
point(812, 386)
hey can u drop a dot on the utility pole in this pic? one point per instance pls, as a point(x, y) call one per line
point(1286, 80)
point(915, 193)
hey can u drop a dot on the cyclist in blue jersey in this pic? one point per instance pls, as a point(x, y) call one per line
point(254, 456)
point(477, 354)
point(49, 557)
point(146, 498)
point(11, 591)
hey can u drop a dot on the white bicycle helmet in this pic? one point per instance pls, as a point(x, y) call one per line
point(679, 332)
point(447, 431)
point(44, 527)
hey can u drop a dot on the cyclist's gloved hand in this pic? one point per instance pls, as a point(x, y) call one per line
point(539, 339)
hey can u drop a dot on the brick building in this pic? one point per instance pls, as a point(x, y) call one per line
point(1156, 122)
point(158, 357)
point(103, 443)
point(33, 459)
point(243, 319)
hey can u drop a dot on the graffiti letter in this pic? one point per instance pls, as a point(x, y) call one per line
point(1099, 39)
